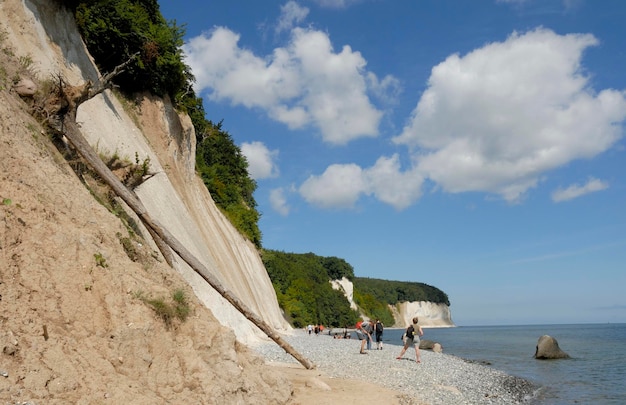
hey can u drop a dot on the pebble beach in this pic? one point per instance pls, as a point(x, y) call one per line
point(439, 378)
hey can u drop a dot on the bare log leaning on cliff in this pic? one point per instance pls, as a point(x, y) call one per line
point(75, 136)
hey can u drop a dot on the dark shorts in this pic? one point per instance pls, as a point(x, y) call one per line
point(379, 336)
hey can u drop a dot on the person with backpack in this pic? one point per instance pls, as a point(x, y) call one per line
point(412, 337)
point(378, 329)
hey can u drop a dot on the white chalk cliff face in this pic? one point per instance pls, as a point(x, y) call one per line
point(430, 314)
point(347, 288)
point(175, 196)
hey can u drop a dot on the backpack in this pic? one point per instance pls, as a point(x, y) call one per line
point(410, 332)
point(379, 327)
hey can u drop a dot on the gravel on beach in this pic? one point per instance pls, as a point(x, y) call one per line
point(439, 378)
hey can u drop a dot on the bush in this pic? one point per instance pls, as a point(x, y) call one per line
point(168, 312)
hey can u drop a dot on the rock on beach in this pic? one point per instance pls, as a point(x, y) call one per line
point(439, 379)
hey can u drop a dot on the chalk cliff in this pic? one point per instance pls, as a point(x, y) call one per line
point(347, 288)
point(174, 196)
point(430, 314)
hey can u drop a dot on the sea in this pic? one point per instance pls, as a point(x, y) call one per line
point(595, 373)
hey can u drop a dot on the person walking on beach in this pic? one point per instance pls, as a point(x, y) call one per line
point(413, 333)
point(363, 335)
point(378, 329)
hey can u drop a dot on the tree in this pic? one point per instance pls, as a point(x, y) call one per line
point(337, 268)
point(224, 170)
point(114, 30)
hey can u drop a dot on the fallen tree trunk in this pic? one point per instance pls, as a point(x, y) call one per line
point(74, 135)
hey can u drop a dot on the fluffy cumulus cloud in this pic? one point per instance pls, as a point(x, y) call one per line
point(576, 190)
point(261, 160)
point(305, 83)
point(278, 201)
point(341, 186)
point(500, 117)
point(389, 184)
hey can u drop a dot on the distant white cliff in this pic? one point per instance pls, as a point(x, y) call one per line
point(347, 288)
point(430, 314)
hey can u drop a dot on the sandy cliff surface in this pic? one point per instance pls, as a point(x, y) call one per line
point(73, 325)
point(174, 196)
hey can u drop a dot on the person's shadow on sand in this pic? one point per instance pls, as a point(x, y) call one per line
point(405, 359)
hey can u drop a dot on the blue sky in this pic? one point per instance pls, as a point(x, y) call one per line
point(476, 146)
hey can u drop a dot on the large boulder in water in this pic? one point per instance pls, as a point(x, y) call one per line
point(548, 348)
point(430, 345)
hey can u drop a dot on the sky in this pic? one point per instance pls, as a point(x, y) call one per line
point(475, 146)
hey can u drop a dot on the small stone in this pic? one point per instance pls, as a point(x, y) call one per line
point(25, 88)
point(9, 350)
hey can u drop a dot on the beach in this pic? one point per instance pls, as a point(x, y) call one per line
point(343, 375)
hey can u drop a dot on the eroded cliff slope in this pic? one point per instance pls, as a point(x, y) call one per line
point(152, 130)
point(74, 323)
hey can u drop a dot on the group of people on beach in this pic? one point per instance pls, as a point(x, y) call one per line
point(411, 337)
point(367, 330)
point(317, 328)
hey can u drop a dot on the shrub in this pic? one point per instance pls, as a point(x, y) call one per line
point(168, 312)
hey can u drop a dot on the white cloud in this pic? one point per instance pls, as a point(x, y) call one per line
point(261, 161)
point(291, 14)
point(340, 186)
point(305, 83)
point(388, 89)
point(500, 117)
point(278, 201)
point(576, 190)
point(392, 186)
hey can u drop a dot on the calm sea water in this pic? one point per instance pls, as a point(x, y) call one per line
point(596, 373)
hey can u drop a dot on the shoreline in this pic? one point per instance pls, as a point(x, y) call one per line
point(439, 378)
